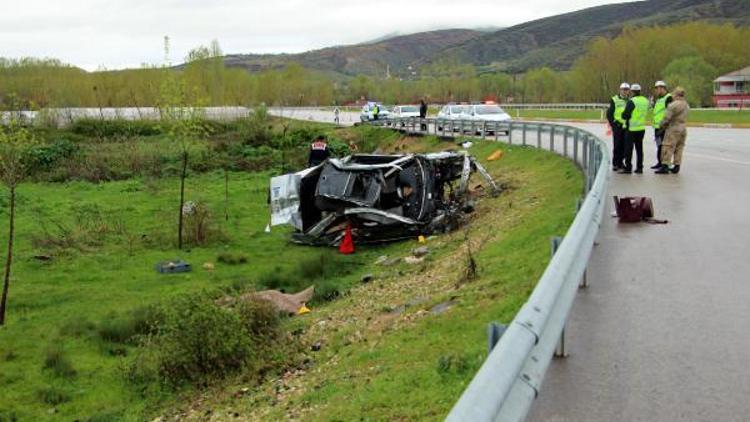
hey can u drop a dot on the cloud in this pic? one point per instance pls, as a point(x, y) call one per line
point(119, 33)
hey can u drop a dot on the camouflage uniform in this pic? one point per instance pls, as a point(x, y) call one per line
point(674, 123)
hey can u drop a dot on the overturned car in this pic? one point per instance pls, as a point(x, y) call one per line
point(381, 197)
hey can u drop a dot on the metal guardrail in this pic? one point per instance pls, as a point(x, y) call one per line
point(510, 378)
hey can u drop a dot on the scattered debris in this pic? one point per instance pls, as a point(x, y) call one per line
point(378, 197)
point(381, 260)
point(174, 266)
point(43, 257)
point(442, 307)
point(367, 278)
point(208, 266)
point(421, 239)
point(495, 155)
point(290, 304)
point(467, 144)
point(316, 346)
point(421, 251)
point(412, 260)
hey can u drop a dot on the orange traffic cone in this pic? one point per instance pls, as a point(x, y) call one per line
point(347, 245)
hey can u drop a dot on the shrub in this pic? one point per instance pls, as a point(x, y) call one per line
point(52, 395)
point(57, 361)
point(45, 156)
point(232, 258)
point(199, 341)
point(125, 329)
point(116, 128)
point(77, 326)
point(199, 229)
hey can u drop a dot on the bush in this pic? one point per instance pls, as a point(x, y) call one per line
point(56, 361)
point(52, 395)
point(199, 229)
point(127, 328)
point(232, 258)
point(199, 341)
point(45, 156)
point(116, 128)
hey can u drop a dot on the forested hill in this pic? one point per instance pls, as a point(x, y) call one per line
point(374, 58)
point(553, 41)
point(557, 41)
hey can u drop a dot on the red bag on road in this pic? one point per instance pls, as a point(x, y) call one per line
point(634, 209)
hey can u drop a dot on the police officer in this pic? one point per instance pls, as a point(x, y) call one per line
point(661, 102)
point(375, 111)
point(635, 123)
point(617, 123)
point(318, 152)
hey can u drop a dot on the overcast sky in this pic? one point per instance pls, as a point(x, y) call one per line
point(121, 33)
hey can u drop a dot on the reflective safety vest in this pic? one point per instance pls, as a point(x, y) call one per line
point(638, 118)
point(619, 108)
point(660, 108)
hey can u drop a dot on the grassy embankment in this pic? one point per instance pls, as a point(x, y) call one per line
point(65, 349)
point(696, 117)
point(405, 345)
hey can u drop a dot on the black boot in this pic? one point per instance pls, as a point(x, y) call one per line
point(625, 170)
point(656, 166)
point(675, 169)
point(639, 170)
point(664, 169)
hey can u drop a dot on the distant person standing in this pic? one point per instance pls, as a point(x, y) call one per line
point(336, 113)
point(675, 132)
point(318, 152)
point(375, 111)
point(635, 118)
point(662, 100)
point(422, 115)
point(617, 123)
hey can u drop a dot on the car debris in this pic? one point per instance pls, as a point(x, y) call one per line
point(380, 197)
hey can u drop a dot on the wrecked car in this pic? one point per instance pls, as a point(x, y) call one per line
point(381, 197)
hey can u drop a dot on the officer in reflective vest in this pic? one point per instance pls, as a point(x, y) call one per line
point(617, 123)
point(663, 98)
point(635, 121)
point(375, 111)
point(318, 152)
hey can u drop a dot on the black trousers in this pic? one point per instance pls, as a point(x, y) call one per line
point(658, 138)
point(618, 145)
point(634, 140)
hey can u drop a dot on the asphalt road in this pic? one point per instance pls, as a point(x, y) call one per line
point(663, 331)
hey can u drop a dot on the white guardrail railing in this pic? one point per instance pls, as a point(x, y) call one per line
point(510, 378)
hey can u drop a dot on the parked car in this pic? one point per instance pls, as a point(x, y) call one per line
point(451, 112)
point(404, 112)
point(367, 114)
point(486, 112)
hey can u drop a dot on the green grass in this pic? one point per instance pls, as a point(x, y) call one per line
point(740, 117)
point(67, 337)
point(61, 301)
point(414, 366)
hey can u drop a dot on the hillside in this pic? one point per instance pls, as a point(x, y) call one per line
point(557, 41)
point(554, 41)
point(372, 58)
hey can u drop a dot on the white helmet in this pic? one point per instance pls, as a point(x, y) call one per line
point(624, 85)
point(635, 87)
point(660, 83)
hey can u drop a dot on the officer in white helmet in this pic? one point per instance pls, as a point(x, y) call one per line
point(617, 123)
point(635, 122)
point(662, 98)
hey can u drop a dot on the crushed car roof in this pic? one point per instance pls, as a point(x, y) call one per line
point(381, 197)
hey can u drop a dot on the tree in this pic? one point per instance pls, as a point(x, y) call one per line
point(695, 75)
point(14, 142)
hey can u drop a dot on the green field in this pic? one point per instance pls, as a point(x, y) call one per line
point(105, 238)
point(737, 117)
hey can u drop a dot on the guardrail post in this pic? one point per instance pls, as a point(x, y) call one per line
point(524, 134)
point(484, 130)
point(497, 132)
point(494, 332)
point(560, 351)
point(565, 143)
point(552, 131)
point(510, 133)
point(539, 130)
point(575, 147)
